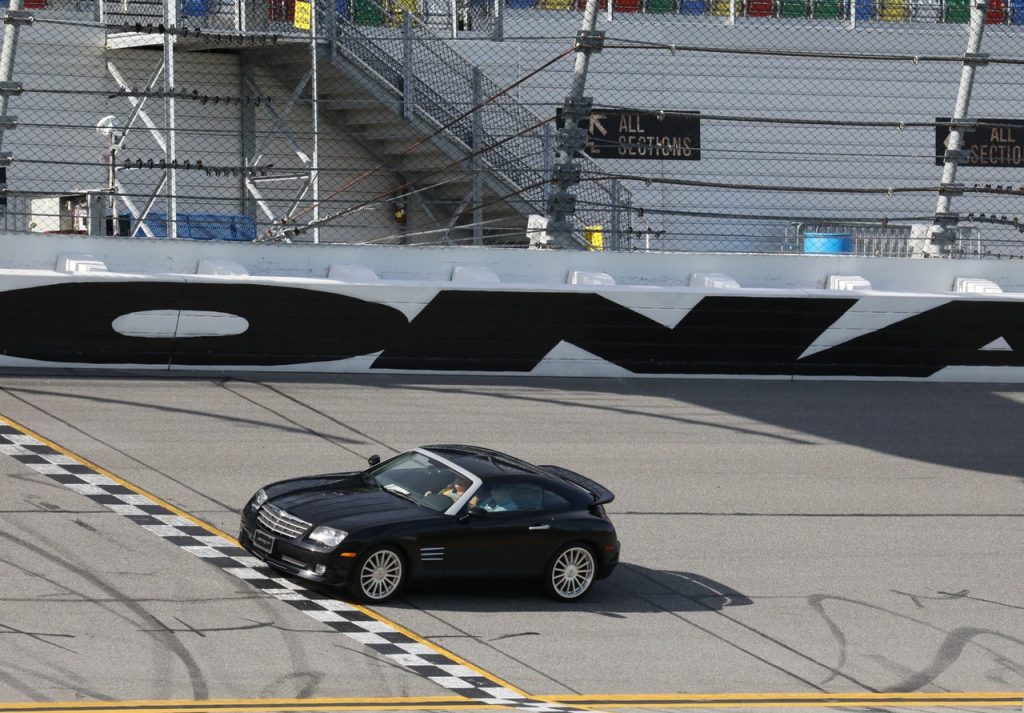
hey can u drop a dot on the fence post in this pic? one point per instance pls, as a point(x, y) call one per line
point(572, 137)
point(954, 155)
point(477, 162)
point(408, 78)
point(170, 111)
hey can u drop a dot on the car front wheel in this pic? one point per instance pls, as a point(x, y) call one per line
point(379, 575)
point(570, 573)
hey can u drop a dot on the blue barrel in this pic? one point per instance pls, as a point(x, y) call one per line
point(832, 243)
point(692, 7)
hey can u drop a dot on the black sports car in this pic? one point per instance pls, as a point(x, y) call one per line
point(436, 512)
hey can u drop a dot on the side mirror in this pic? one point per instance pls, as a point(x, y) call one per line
point(373, 460)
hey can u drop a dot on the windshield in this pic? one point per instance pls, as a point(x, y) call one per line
point(416, 477)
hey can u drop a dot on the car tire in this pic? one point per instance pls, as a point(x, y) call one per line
point(570, 573)
point(379, 575)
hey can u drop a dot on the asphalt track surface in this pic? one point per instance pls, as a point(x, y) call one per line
point(785, 545)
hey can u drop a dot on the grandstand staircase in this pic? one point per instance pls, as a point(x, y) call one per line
point(404, 94)
point(432, 165)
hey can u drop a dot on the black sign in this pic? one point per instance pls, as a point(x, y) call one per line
point(996, 142)
point(629, 133)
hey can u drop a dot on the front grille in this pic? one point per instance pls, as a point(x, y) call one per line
point(281, 522)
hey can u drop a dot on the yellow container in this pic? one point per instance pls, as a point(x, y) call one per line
point(594, 235)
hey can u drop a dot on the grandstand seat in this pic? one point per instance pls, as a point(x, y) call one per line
point(660, 6)
point(828, 9)
point(956, 11)
point(793, 8)
point(996, 13)
point(724, 7)
point(280, 10)
point(760, 8)
point(893, 10)
point(692, 7)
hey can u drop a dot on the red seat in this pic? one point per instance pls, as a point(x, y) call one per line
point(760, 8)
point(996, 13)
point(281, 10)
point(34, 4)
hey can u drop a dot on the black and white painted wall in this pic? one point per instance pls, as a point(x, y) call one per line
point(70, 301)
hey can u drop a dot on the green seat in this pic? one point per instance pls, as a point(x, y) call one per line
point(956, 11)
point(793, 8)
point(367, 12)
point(828, 9)
point(661, 6)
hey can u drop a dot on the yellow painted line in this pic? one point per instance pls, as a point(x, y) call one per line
point(211, 529)
point(671, 700)
point(795, 700)
point(119, 480)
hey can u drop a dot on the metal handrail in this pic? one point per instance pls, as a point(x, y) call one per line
point(444, 94)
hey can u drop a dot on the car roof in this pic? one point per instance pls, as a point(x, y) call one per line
point(484, 462)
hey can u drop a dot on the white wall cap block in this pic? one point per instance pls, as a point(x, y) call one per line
point(976, 285)
point(582, 277)
point(473, 273)
point(351, 272)
point(218, 266)
point(716, 280)
point(847, 282)
point(80, 263)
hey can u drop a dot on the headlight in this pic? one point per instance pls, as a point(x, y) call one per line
point(259, 498)
point(328, 536)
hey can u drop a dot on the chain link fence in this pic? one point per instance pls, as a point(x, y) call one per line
point(767, 126)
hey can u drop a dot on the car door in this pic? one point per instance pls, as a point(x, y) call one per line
point(502, 542)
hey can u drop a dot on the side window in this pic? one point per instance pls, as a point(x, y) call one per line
point(509, 497)
point(553, 501)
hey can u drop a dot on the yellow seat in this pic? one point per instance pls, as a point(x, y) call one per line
point(721, 7)
point(397, 7)
point(556, 4)
point(893, 10)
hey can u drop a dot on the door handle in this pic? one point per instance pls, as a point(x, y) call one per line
point(540, 527)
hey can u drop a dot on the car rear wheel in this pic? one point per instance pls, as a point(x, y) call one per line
point(379, 575)
point(570, 573)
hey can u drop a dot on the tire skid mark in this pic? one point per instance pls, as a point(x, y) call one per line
point(384, 638)
point(195, 675)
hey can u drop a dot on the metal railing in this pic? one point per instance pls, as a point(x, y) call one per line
point(441, 82)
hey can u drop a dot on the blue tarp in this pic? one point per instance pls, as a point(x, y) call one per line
point(203, 226)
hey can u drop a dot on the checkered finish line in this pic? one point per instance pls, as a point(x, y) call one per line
point(344, 618)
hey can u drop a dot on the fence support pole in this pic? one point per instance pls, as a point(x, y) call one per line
point(572, 137)
point(315, 93)
point(477, 162)
point(170, 111)
point(408, 78)
point(954, 155)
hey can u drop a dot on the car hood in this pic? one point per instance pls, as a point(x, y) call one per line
point(348, 504)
